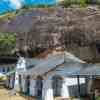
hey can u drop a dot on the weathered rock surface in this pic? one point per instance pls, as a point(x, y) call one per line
point(49, 27)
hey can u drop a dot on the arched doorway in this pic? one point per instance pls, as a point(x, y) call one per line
point(39, 86)
point(57, 82)
point(27, 85)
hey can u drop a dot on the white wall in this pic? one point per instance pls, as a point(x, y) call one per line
point(70, 87)
point(47, 91)
point(33, 87)
point(23, 84)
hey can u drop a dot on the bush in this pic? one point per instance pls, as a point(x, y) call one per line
point(98, 2)
point(93, 2)
point(82, 3)
point(97, 98)
point(36, 6)
point(68, 3)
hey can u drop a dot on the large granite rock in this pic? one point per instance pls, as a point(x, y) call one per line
point(51, 27)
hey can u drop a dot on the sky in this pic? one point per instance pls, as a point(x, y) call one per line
point(9, 5)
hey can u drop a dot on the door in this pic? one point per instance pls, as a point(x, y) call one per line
point(28, 85)
point(39, 86)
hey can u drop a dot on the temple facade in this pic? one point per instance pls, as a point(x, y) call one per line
point(52, 75)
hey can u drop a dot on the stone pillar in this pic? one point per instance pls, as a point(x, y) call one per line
point(64, 90)
point(23, 84)
point(16, 85)
point(21, 66)
point(33, 87)
point(89, 85)
point(10, 85)
point(7, 82)
point(47, 93)
point(11, 81)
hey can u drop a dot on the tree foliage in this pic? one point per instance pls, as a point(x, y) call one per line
point(81, 3)
point(7, 41)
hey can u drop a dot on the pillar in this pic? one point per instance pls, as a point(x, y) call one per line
point(7, 82)
point(33, 87)
point(64, 90)
point(47, 93)
point(21, 66)
point(23, 84)
point(11, 81)
point(16, 85)
point(89, 85)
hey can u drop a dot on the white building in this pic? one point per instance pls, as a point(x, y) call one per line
point(57, 74)
point(50, 76)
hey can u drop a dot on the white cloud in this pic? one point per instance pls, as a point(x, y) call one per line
point(16, 4)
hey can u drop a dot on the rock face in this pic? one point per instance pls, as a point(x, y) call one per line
point(52, 27)
point(77, 30)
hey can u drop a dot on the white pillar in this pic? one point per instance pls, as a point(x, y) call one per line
point(21, 65)
point(23, 84)
point(47, 93)
point(11, 81)
point(89, 86)
point(16, 85)
point(33, 87)
point(64, 90)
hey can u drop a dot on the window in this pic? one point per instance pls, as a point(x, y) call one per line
point(3, 70)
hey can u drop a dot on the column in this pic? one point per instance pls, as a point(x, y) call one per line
point(23, 84)
point(16, 85)
point(47, 92)
point(33, 87)
point(10, 82)
point(7, 83)
point(89, 85)
point(64, 90)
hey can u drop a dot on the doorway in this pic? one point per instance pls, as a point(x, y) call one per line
point(39, 86)
point(57, 85)
point(28, 85)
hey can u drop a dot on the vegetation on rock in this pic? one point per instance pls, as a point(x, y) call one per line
point(7, 42)
point(80, 3)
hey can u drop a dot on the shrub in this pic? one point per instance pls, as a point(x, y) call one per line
point(98, 2)
point(68, 3)
point(82, 3)
point(36, 6)
point(97, 98)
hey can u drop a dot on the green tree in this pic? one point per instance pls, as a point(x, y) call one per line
point(7, 42)
point(81, 3)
